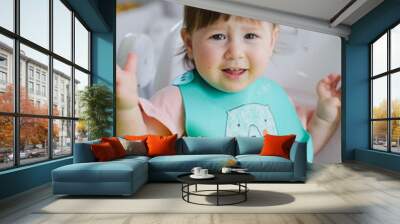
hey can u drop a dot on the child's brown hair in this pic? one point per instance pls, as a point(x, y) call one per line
point(197, 18)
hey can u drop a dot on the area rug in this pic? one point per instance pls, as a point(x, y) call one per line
point(167, 198)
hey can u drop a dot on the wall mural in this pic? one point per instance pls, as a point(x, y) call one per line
point(196, 72)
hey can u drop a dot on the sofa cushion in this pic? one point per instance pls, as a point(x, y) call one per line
point(257, 163)
point(111, 171)
point(249, 145)
point(275, 145)
point(134, 147)
point(185, 163)
point(116, 145)
point(161, 145)
point(103, 152)
point(206, 145)
point(83, 152)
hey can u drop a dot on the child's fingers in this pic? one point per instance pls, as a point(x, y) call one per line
point(336, 81)
point(130, 66)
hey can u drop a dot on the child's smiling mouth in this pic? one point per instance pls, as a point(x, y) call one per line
point(234, 73)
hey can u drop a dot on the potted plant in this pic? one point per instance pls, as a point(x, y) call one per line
point(96, 103)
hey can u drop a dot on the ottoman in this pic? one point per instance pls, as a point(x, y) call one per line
point(117, 177)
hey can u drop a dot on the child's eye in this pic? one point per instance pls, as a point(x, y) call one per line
point(218, 36)
point(250, 36)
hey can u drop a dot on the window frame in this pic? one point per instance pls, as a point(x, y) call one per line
point(388, 74)
point(16, 115)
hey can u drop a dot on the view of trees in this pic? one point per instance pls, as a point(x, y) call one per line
point(380, 127)
point(34, 131)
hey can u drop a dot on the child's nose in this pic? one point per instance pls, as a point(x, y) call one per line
point(234, 50)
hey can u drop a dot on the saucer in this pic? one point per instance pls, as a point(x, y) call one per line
point(208, 176)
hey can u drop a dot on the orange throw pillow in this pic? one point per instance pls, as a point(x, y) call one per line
point(277, 145)
point(116, 145)
point(135, 137)
point(161, 145)
point(103, 151)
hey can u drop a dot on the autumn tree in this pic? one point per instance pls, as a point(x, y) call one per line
point(380, 127)
point(33, 131)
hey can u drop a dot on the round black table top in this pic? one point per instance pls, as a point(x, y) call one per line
point(220, 178)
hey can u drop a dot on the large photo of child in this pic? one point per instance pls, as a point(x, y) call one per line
point(224, 86)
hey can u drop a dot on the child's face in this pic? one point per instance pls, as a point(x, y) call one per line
point(231, 54)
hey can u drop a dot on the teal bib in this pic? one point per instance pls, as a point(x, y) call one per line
point(263, 105)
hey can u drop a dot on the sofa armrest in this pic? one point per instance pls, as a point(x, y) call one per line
point(83, 152)
point(298, 155)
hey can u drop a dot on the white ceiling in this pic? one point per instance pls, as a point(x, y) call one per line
point(324, 16)
point(321, 9)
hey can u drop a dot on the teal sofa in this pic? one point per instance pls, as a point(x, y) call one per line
point(125, 176)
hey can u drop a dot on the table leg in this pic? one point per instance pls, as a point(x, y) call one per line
point(196, 188)
point(217, 194)
point(245, 191)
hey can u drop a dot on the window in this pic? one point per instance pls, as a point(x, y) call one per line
point(385, 91)
point(30, 87)
point(3, 61)
point(30, 72)
point(47, 36)
point(3, 71)
point(3, 78)
point(37, 74)
point(44, 91)
point(38, 89)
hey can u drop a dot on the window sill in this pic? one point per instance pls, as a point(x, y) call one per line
point(26, 167)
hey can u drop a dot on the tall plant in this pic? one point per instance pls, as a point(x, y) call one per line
point(96, 102)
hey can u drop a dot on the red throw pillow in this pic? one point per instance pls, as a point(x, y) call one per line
point(116, 145)
point(103, 151)
point(277, 145)
point(161, 145)
point(136, 137)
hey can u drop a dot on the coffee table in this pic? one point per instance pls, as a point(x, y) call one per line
point(238, 179)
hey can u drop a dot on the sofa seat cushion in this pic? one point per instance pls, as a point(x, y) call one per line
point(257, 163)
point(112, 171)
point(185, 163)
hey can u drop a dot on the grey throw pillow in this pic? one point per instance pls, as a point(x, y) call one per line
point(137, 147)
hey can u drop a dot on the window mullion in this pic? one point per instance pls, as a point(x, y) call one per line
point(73, 82)
point(50, 81)
point(371, 98)
point(389, 101)
point(16, 84)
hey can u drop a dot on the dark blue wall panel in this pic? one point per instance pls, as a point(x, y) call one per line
point(24, 178)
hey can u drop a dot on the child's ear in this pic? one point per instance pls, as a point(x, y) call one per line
point(275, 34)
point(187, 41)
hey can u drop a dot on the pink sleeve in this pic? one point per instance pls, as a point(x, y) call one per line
point(166, 107)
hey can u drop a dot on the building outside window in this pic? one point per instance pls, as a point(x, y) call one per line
point(35, 53)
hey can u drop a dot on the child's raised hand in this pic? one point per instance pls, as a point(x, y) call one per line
point(329, 101)
point(126, 84)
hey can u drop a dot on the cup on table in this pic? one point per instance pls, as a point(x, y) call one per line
point(203, 172)
point(196, 171)
point(226, 170)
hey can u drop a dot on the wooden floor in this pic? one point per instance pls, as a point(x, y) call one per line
point(378, 188)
